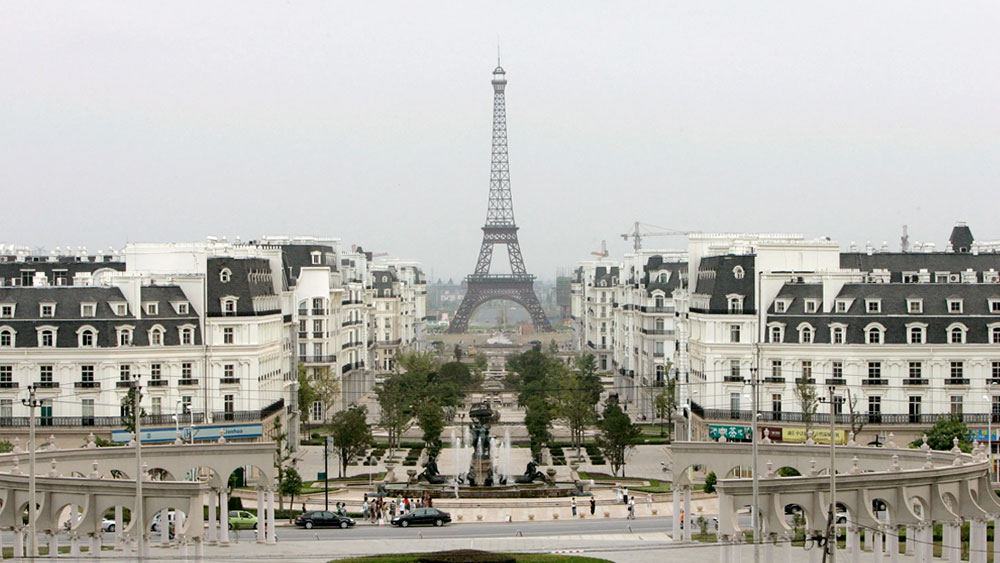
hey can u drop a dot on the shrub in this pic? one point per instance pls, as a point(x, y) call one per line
point(710, 481)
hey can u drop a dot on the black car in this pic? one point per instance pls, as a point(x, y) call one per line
point(316, 518)
point(423, 516)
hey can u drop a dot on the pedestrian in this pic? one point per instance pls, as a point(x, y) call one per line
point(303, 508)
point(625, 494)
point(618, 493)
point(682, 518)
point(572, 504)
point(625, 498)
point(649, 501)
point(593, 505)
point(631, 509)
point(364, 508)
point(406, 505)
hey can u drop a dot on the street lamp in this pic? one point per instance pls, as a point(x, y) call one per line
point(32, 404)
point(989, 434)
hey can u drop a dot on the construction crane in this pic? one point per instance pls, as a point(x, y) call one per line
point(641, 230)
point(604, 250)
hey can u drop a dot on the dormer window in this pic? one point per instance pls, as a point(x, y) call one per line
point(47, 310)
point(187, 336)
point(228, 305)
point(6, 337)
point(812, 305)
point(776, 332)
point(738, 272)
point(994, 333)
point(152, 308)
point(780, 306)
point(385, 279)
point(87, 337)
point(88, 310)
point(225, 275)
point(663, 277)
point(956, 333)
point(7, 311)
point(46, 337)
point(125, 336)
point(954, 305)
point(841, 306)
point(806, 333)
point(915, 305)
point(873, 305)
point(837, 332)
point(156, 336)
point(317, 258)
point(994, 305)
point(182, 308)
point(874, 334)
point(916, 333)
point(121, 309)
point(735, 303)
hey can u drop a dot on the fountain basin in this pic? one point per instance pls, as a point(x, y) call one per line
point(445, 491)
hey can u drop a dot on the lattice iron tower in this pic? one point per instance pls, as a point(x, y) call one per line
point(482, 286)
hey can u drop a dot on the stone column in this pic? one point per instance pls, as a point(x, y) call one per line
point(261, 515)
point(74, 544)
point(977, 546)
point(688, 517)
point(271, 535)
point(910, 536)
point(199, 549)
point(926, 547)
point(18, 543)
point(952, 542)
point(677, 516)
point(855, 540)
point(223, 517)
point(212, 499)
point(724, 540)
point(96, 545)
point(848, 541)
point(786, 546)
point(877, 545)
point(53, 540)
point(119, 529)
point(164, 527)
point(893, 544)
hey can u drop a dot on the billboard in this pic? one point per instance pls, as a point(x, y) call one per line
point(733, 433)
point(797, 435)
point(210, 432)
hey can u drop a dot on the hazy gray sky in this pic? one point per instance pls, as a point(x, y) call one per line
point(370, 121)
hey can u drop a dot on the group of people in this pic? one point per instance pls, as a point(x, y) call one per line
point(593, 505)
point(380, 509)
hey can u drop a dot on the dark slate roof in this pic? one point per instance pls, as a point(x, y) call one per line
point(251, 277)
point(295, 256)
point(164, 296)
point(654, 266)
point(961, 238)
point(381, 284)
point(898, 262)
point(12, 270)
point(798, 293)
point(68, 320)
point(717, 279)
point(894, 316)
point(606, 275)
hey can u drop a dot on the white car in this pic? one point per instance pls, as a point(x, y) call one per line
point(156, 520)
point(107, 525)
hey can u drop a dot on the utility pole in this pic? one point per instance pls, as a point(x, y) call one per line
point(326, 473)
point(32, 404)
point(831, 527)
point(137, 516)
point(755, 515)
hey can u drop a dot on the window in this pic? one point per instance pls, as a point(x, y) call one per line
point(152, 309)
point(734, 333)
point(660, 374)
point(776, 334)
point(840, 306)
point(874, 370)
point(811, 306)
point(317, 257)
point(45, 374)
point(87, 412)
point(121, 309)
point(875, 410)
point(776, 405)
point(914, 410)
point(995, 408)
point(229, 306)
point(88, 338)
point(956, 334)
point(837, 335)
point(914, 305)
point(916, 335)
point(734, 369)
point(954, 305)
point(88, 310)
point(995, 335)
point(995, 305)
point(225, 275)
point(780, 306)
point(47, 310)
point(995, 372)
point(807, 370)
point(6, 408)
point(87, 373)
point(734, 402)
point(186, 369)
point(6, 338)
point(186, 404)
point(227, 335)
point(187, 336)
point(155, 371)
point(182, 308)
point(873, 305)
point(916, 370)
point(658, 301)
point(838, 405)
point(47, 338)
point(837, 369)
point(874, 334)
point(229, 371)
point(956, 405)
point(228, 406)
point(124, 337)
point(317, 411)
point(956, 370)
point(6, 311)
point(776, 368)
point(806, 334)
point(735, 305)
point(156, 406)
point(125, 372)
point(156, 337)
point(738, 272)
point(6, 374)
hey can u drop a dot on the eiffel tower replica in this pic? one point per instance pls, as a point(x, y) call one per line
point(482, 286)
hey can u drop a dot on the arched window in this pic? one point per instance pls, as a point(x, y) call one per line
point(874, 335)
point(125, 336)
point(836, 334)
point(6, 338)
point(738, 272)
point(806, 333)
point(156, 336)
point(46, 337)
point(956, 334)
point(187, 336)
point(228, 306)
point(916, 335)
point(995, 335)
point(87, 337)
point(658, 301)
point(660, 324)
point(663, 277)
point(225, 275)
point(776, 334)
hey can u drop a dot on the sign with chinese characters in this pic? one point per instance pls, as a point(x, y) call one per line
point(980, 434)
point(820, 435)
point(732, 433)
point(211, 432)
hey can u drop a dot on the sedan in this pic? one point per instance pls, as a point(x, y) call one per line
point(107, 525)
point(322, 518)
point(423, 516)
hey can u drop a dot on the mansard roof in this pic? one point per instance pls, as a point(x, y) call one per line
point(12, 269)
point(250, 279)
point(296, 256)
point(655, 265)
point(67, 300)
point(717, 278)
point(607, 275)
point(898, 262)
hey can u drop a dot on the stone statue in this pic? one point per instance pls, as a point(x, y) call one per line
point(531, 473)
point(430, 473)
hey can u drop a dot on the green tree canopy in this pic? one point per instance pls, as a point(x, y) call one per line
point(617, 436)
point(306, 393)
point(942, 435)
point(578, 394)
point(290, 486)
point(351, 434)
point(128, 409)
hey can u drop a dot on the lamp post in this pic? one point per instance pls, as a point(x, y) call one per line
point(138, 519)
point(326, 473)
point(832, 538)
point(32, 404)
point(989, 434)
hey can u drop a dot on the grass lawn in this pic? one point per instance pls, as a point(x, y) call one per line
point(470, 556)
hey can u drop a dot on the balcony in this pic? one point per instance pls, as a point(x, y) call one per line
point(733, 379)
point(774, 380)
point(993, 381)
point(149, 420)
point(657, 354)
point(874, 381)
point(319, 334)
point(87, 384)
point(9, 384)
point(657, 331)
point(124, 384)
point(385, 343)
point(915, 381)
point(835, 381)
point(188, 381)
point(303, 335)
point(956, 381)
point(810, 381)
point(47, 384)
point(319, 311)
point(656, 309)
point(230, 381)
point(317, 359)
point(157, 382)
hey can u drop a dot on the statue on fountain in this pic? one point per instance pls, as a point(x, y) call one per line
point(430, 473)
point(481, 468)
point(531, 473)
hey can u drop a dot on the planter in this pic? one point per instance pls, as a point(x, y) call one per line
point(555, 515)
point(607, 514)
point(459, 517)
point(582, 516)
point(531, 517)
point(479, 517)
point(655, 511)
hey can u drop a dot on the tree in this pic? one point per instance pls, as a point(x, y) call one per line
point(532, 375)
point(553, 347)
point(710, 481)
point(617, 435)
point(395, 414)
point(430, 416)
point(327, 388)
point(6, 447)
point(306, 395)
point(351, 434)
point(579, 393)
point(857, 419)
point(808, 399)
point(283, 460)
point(665, 404)
point(458, 353)
point(942, 435)
point(414, 362)
point(128, 409)
point(290, 486)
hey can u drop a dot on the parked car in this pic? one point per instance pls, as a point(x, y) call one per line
point(317, 518)
point(240, 519)
point(422, 516)
point(107, 525)
point(171, 515)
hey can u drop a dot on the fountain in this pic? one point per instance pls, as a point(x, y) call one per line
point(489, 473)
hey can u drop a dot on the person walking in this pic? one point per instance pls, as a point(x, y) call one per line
point(631, 508)
point(625, 494)
point(649, 502)
point(593, 506)
point(572, 504)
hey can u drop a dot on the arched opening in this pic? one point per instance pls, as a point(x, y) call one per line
point(499, 314)
point(788, 471)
